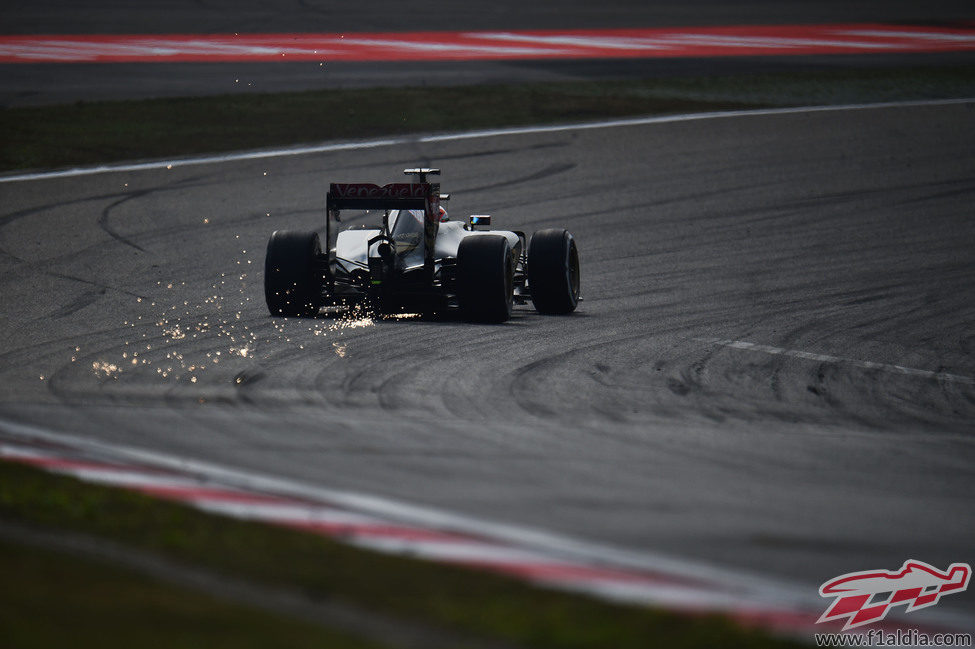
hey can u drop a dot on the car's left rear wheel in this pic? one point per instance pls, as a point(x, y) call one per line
point(292, 277)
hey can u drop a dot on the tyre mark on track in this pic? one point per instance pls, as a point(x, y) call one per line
point(192, 182)
point(107, 212)
point(547, 172)
point(102, 287)
point(9, 218)
point(85, 299)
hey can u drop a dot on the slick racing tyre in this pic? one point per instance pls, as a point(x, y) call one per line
point(553, 272)
point(292, 276)
point(485, 282)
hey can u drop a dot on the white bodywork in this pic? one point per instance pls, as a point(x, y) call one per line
point(406, 226)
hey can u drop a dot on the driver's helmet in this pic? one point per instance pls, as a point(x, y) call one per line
point(418, 214)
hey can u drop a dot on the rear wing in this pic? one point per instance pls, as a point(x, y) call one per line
point(394, 196)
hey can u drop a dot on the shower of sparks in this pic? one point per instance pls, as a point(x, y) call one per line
point(105, 369)
point(190, 335)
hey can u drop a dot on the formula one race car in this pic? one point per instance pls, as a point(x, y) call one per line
point(416, 262)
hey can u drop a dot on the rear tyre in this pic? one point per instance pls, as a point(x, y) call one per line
point(485, 282)
point(292, 275)
point(553, 272)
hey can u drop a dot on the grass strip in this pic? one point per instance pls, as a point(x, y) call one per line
point(463, 601)
point(101, 132)
point(49, 599)
point(98, 132)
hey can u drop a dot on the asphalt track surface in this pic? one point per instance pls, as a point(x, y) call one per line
point(839, 241)
point(221, 16)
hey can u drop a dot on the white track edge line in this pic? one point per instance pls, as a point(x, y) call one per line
point(751, 589)
point(330, 147)
point(839, 360)
point(769, 589)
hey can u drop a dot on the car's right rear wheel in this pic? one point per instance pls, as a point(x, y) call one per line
point(485, 282)
point(553, 272)
point(292, 276)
